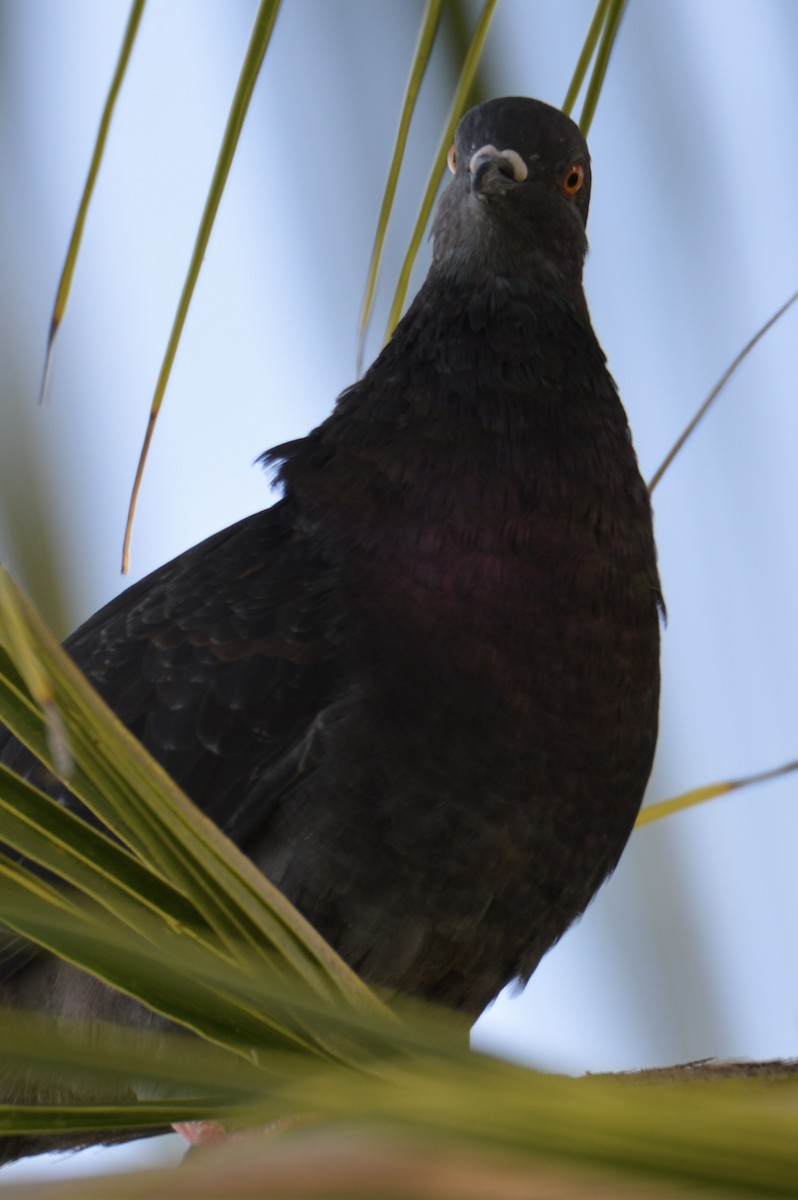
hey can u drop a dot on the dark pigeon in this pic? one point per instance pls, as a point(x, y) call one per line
point(421, 690)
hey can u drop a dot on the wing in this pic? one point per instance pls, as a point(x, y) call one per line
point(222, 662)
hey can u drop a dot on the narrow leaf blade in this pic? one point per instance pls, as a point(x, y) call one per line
point(429, 27)
point(467, 74)
point(68, 270)
point(253, 60)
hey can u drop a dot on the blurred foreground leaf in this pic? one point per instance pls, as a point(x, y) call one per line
point(179, 888)
point(736, 1134)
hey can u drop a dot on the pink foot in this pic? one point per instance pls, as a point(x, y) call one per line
point(201, 1133)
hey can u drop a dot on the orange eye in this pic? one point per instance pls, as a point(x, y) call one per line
point(451, 159)
point(573, 179)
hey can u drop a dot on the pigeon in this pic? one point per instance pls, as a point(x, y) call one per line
point(420, 691)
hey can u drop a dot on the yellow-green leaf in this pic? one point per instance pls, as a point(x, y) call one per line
point(663, 808)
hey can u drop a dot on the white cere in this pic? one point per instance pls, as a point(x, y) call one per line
point(520, 169)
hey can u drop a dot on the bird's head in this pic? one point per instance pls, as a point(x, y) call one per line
point(518, 200)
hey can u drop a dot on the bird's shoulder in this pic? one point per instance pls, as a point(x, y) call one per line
point(220, 662)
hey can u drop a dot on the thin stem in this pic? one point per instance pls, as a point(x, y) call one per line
point(724, 379)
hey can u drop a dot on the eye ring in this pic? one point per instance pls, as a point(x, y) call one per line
point(573, 179)
point(451, 159)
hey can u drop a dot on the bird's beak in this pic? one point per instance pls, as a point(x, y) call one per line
point(493, 170)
